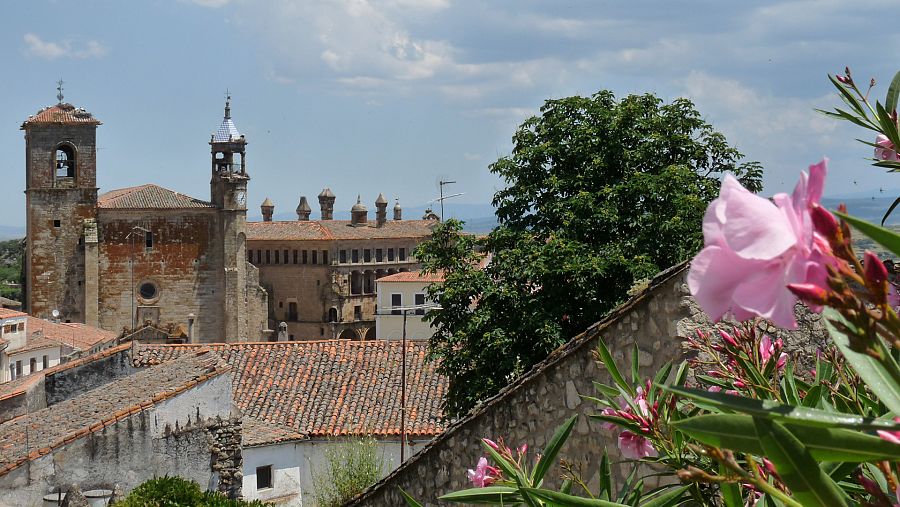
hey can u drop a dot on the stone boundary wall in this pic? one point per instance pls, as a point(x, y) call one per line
point(530, 410)
point(73, 380)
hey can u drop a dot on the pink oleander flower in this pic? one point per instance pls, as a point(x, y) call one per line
point(890, 436)
point(885, 149)
point(483, 475)
point(754, 248)
point(768, 348)
point(635, 446)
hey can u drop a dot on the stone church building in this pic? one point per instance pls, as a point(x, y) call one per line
point(142, 254)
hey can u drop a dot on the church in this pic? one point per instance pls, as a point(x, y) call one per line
point(138, 255)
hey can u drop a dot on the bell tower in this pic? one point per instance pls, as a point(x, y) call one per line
point(60, 199)
point(228, 193)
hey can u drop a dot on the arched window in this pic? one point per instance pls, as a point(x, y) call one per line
point(332, 315)
point(65, 161)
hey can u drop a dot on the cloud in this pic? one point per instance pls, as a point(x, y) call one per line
point(471, 156)
point(211, 3)
point(39, 48)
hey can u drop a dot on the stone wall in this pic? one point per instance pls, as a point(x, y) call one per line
point(73, 381)
point(530, 410)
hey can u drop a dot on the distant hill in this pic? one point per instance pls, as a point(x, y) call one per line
point(869, 209)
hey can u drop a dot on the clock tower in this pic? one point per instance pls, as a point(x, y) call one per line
point(228, 191)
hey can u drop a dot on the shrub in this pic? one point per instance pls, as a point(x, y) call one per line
point(178, 492)
point(350, 467)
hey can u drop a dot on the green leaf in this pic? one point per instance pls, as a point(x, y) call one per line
point(731, 492)
point(552, 449)
point(811, 400)
point(564, 500)
point(881, 378)
point(890, 210)
point(888, 126)
point(410, 501)
point(667, 499)
point(800, 472)
point(611, 367)
point(605, 477)
point(801, 416)
point(890, 102)
point(487, 495)
point(847, 96)
point(736, 432)
point(787, 381)
point(839, 471)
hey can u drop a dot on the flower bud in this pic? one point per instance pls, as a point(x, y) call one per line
point(823, 221)
point(493, 445)
point(809, 293)
point(728, 339)
point(875, 271)
point(842, 79)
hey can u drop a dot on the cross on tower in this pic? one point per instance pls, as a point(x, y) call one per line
point(59, 89)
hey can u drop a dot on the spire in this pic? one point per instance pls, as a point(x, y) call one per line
point(227, 131)
point(227, 105)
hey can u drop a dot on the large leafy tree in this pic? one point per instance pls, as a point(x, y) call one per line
point(600, 193)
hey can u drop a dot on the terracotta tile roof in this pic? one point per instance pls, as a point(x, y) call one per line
point(6, 313)
point(256, 432)
point(337, 229)
point(412, 276)
point(327, 388)
point(94, 410)
point(61, 113)
point(35, 342)
point(75, 335)
point(148, 196)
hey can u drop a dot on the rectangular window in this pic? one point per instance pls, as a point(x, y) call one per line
point(148, 240)
point(305, 260)
point(249, 255)
point(32, 365)
point(264, 477)
point(21, 326)
point(259, 256)
point(268, 257)
point(324, 256)
point(420, 301)
point(46, 361)
point(295, 257)
point(285, 257)
point(357, 312)
point(379, 254)
point(12, 372)
point(367, 255)
point(56, 223)
point(315, 256)
point(18, 369)
point(396, 302)
point(276, 256)
point(343, 256)
point(402, 254)
point(390, 254)
point(355, 256)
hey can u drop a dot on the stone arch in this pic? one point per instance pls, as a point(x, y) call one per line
point(370, 334)
point(332, 314)
point(348, 334)
point(65, 157)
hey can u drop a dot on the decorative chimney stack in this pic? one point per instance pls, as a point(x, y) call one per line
point(303, 209)
point(267, 209)
point(359, 214)
point(326, 204)
point(380, 210)
point(398, 211)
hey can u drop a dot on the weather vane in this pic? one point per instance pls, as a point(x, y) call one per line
point(59, 89)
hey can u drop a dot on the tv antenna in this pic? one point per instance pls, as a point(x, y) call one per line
point(443, 197)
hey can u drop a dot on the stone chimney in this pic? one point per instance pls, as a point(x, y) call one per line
point(267, 210)
point(303, 209)
point(359, 214)
point(282, 332)
point(326, 204)
point(398, 211)
point(380, 210)
point(190, 327)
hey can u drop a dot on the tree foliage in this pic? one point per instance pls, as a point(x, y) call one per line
point(349, 468)
point(600, 193)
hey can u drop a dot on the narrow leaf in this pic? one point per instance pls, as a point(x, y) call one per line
point(611, 367)
point(785, 413)
point(884, 237)
point(564, 500)
point(890, 102)
point(410, 501)
point(552, 449)
point(731, 492)
point(667, 499)
point(879, 377)
point(890, 210)
point(800, 472)
point(487, 495)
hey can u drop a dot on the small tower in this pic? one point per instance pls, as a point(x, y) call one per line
point(380, 210)
point(359, 214)
point(430, 214)
point(398, 211)
point(268, 208)
point(303, 209)
point(326, 204)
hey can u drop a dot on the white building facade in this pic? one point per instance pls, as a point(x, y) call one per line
point(404, 290)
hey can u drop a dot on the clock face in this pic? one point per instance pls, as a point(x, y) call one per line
point(241, 198)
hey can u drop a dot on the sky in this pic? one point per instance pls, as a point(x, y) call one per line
point(369, 96)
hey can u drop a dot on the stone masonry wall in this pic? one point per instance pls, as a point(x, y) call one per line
point(531, 409)
point(71, 382)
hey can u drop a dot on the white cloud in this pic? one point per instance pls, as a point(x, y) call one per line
point(471, 156)
point(37, 47)
point(211, 3)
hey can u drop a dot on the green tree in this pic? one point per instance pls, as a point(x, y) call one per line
point(349, 468)
point(600, 193)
